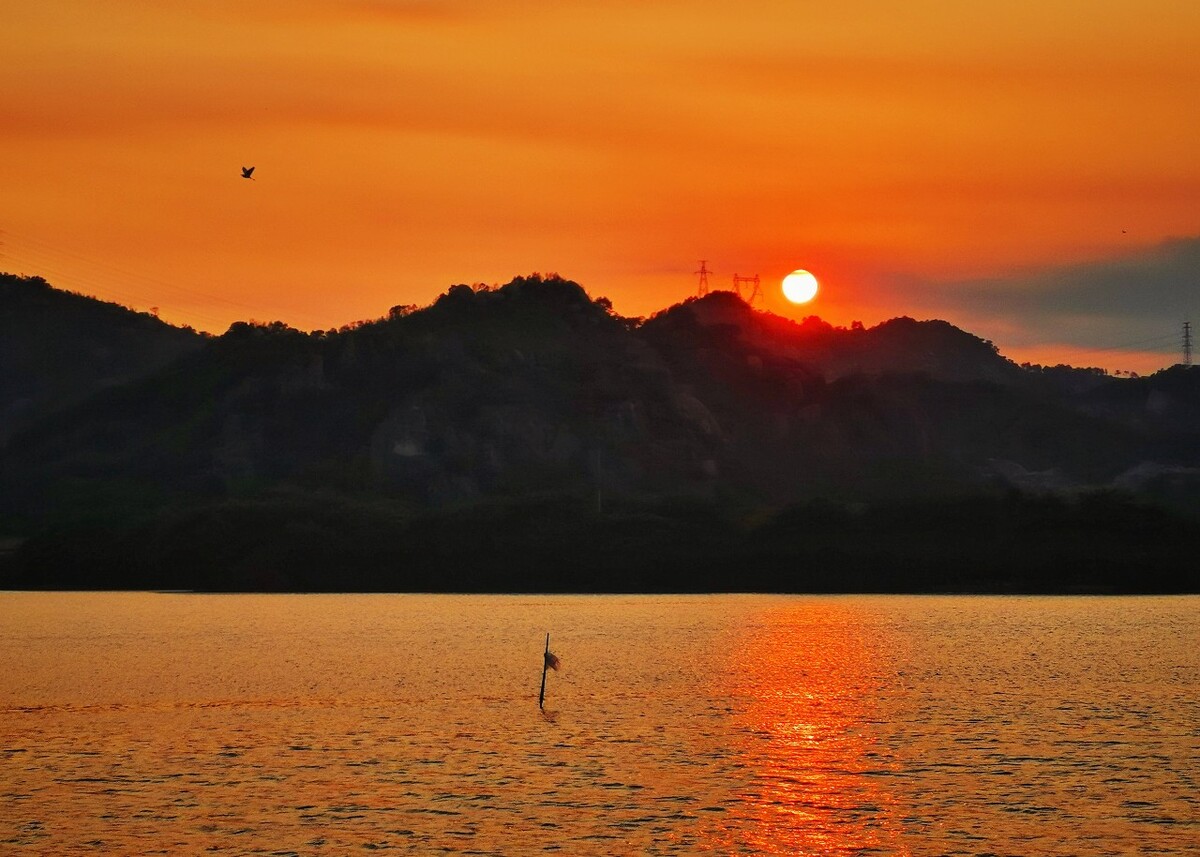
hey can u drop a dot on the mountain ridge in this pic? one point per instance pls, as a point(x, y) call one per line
point(59, 348)
point(535, 390)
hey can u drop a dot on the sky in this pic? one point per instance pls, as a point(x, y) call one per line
point(1026, 171)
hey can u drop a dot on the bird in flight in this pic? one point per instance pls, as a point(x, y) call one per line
point(248, 173)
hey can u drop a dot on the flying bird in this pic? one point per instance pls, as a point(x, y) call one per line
point(248, 173)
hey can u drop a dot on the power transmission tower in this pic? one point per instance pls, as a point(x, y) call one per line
point(703, 273)
point(1187, 343)
point(752, 282)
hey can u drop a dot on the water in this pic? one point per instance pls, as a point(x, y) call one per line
point(160, 723)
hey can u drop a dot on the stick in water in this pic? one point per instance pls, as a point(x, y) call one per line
point(549, 662)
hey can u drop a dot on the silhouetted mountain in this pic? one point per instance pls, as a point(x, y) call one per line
point(59, 348)
point(490, 439)
point(934, 348)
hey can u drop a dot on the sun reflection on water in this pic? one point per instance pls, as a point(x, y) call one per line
point(807, 694)
point(139, 723)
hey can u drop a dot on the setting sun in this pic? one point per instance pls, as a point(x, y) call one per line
point(800, 287)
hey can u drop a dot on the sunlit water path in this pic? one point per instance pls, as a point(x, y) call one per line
point(159, 723)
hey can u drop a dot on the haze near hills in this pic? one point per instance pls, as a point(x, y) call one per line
point(527, 438)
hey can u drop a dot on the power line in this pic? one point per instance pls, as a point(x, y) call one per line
point(112, 282)
point(1151, 340)
point(111, 290)
point(37, 245)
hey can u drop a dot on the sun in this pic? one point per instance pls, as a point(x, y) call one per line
point(799, 287)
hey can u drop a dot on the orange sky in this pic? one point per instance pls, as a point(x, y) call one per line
point(911, 155)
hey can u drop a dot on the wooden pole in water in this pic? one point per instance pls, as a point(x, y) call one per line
point(545, 666)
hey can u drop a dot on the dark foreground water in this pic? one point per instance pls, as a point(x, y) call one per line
point(155, 723)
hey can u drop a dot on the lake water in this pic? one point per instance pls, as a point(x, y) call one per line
point(149, 723)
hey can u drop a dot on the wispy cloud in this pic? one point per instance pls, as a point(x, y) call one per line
point(1137, 301)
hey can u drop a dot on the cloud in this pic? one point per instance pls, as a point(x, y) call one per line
point(1139, 299)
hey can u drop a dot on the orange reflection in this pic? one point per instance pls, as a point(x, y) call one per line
point(806, 683)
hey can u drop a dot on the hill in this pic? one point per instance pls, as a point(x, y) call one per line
point(500, 436)
point(59, 348)
point(899, 346)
